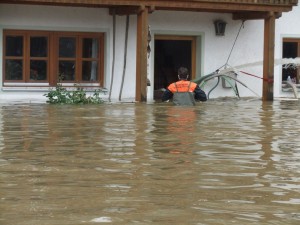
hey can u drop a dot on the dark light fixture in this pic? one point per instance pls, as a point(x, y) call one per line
point(220, 26)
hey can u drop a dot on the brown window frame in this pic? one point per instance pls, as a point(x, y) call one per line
point(193, 48)
point(52, 57)
point(295, 73)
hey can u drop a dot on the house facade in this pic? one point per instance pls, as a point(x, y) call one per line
point(132, 49)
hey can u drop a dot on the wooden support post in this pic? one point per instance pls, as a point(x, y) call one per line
point(141, 55)
point(268, 66)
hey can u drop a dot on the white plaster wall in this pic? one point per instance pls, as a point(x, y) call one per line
point(287, 26)
point(216, 49)
point(80, 19)
point(128, 90)
point(214, 52)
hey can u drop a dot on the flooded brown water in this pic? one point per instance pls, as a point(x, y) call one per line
point(222, 162)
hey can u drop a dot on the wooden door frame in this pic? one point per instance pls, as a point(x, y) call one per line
point(193, 39)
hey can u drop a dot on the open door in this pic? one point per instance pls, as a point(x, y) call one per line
point(172, 52)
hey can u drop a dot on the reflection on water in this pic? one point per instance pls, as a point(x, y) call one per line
point(221, 162)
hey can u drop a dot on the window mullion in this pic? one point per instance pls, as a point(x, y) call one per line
point(101, 61)
point(78, 58)
point(26, 57)
point(54, 58)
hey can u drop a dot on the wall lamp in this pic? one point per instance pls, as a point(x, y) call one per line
point(220, 26)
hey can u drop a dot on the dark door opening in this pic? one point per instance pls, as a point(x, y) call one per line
point(169, 56)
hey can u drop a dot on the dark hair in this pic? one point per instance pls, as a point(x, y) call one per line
point(183, 73)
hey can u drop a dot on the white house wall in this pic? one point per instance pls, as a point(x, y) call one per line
point(76, 19)
point(128, 90)
point(216, 49)
point(287, 26)
point(213, 50)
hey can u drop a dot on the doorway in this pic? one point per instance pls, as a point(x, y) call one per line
point(172, 52)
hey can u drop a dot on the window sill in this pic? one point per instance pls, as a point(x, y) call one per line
point(44, 87)
point(16, 84)
point(287, 88)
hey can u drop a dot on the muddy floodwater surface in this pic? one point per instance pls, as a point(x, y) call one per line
point(221, 162)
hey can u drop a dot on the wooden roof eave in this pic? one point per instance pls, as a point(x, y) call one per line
point(255, 15)
point(238, 7)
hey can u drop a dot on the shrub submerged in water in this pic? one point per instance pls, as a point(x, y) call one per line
point(60, 95)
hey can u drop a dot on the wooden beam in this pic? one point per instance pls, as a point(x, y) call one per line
point(225, 6)
point(268, 65)
point(129, 10)
point(141, 55)
point(253, 15)
point(123, 10)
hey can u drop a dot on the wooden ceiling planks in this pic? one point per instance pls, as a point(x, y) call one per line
point(229, 6)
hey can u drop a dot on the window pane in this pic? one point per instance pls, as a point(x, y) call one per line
point(67, 47)
point(13, 69)
point(38, 70)
point(38, 46)
point(90, 48)
point(14, 46)
point(290, 50)
point(67, 70)
point(89, 71)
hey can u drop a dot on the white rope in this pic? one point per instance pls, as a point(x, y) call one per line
point(285, 62)
point(125, 56)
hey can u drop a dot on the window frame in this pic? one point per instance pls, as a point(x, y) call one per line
point(192, 39)
point(52, 58)
point(297, 72)
point(13, 33)
point(29, 58)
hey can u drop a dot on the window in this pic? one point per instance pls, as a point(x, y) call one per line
point(291, 49)
point(37, 57)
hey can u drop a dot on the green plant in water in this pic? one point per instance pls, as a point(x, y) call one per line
point(60, 95)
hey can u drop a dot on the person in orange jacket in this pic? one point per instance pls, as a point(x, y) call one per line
point(184, 92)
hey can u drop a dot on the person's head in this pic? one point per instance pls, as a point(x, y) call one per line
point(183, 73)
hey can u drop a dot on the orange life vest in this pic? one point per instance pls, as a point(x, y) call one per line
point(182, 86)
point(183, 92)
